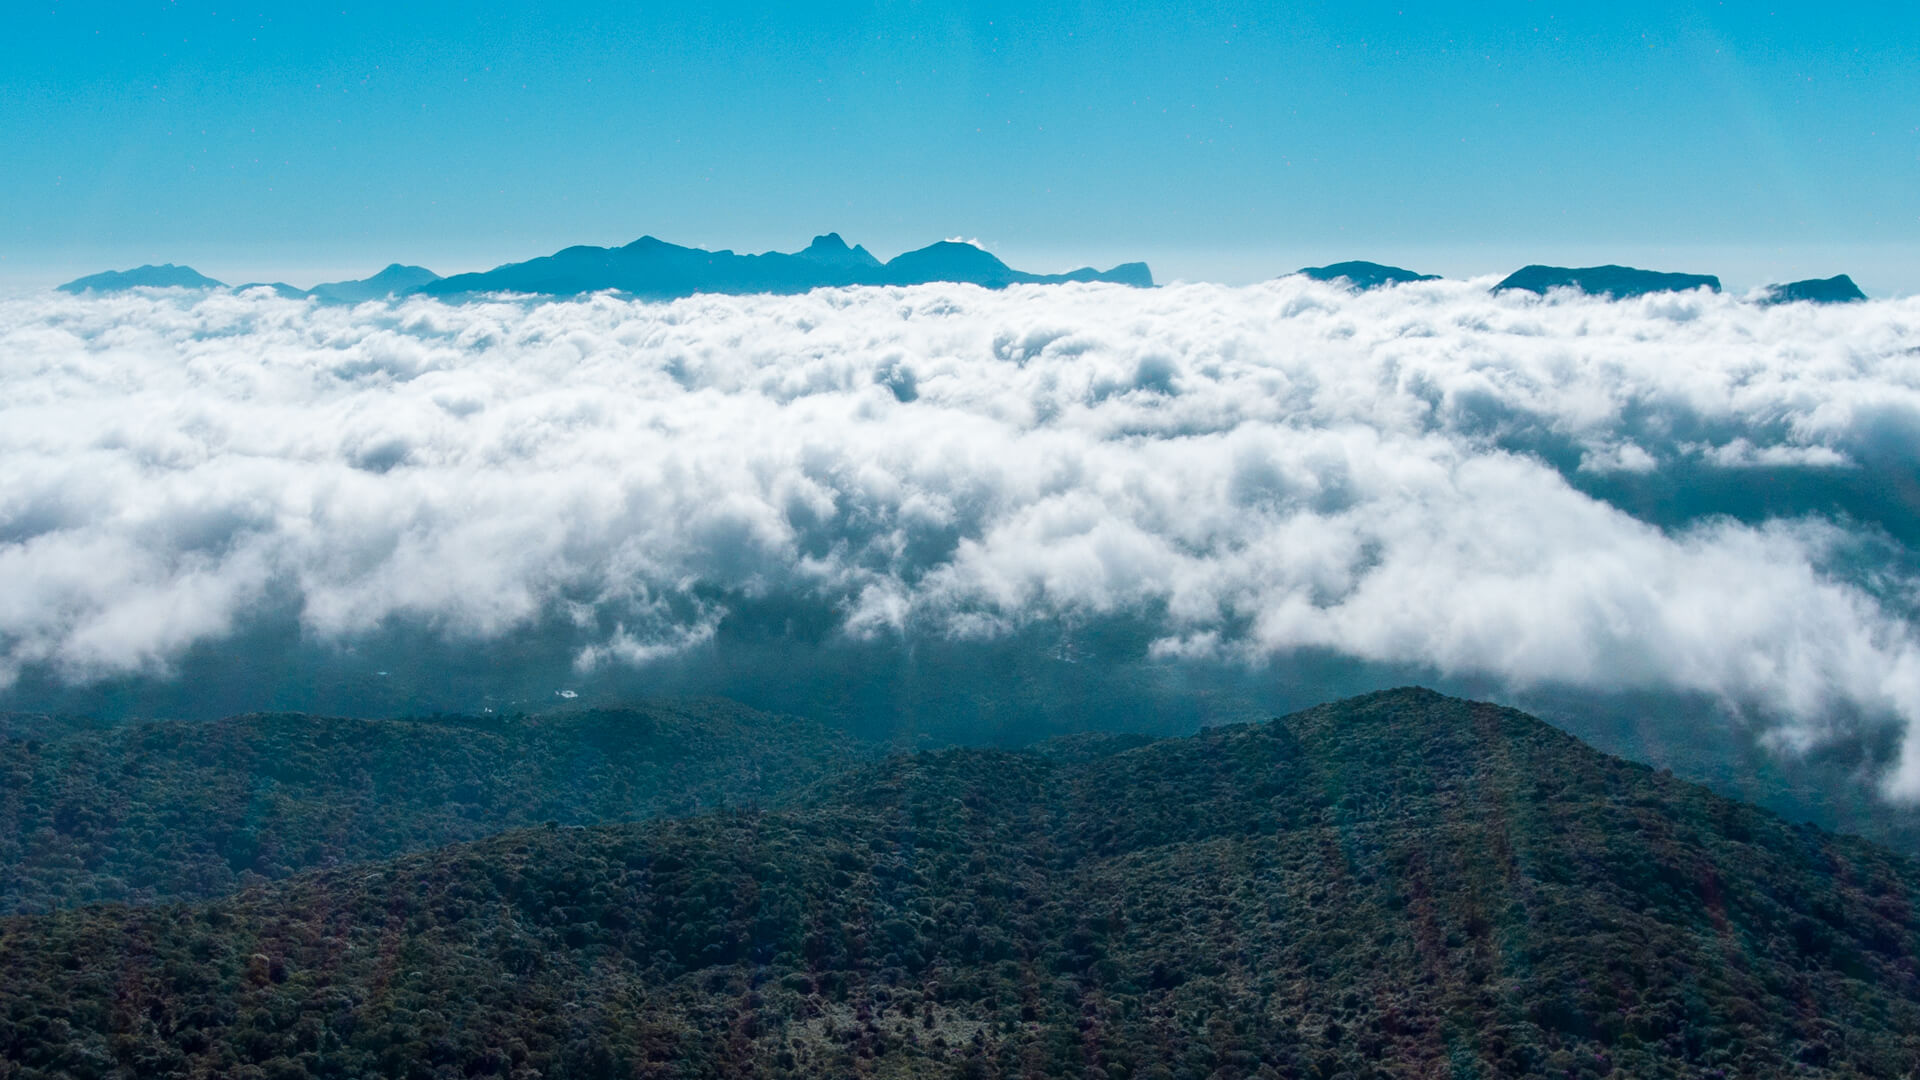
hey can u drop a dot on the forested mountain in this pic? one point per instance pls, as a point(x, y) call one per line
point(175, 810)
point(1397, 885)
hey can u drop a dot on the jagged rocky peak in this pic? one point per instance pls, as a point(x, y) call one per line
point(654, 269)
point(832, 250)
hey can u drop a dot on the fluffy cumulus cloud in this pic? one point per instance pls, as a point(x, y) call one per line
point(1685, 493)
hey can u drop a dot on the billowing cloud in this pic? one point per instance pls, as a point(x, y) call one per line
point(1680, 493)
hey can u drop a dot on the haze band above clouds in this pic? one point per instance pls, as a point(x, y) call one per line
point(1247, 471)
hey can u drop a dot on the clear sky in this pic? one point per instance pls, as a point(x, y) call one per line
point(1216, 141)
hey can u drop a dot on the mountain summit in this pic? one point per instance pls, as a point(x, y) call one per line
point(654, 269)
point(164, 276)
point(1838, 289)
point(395, 280)
point(1365, 275)
point(1613, 282)
point(830, 250)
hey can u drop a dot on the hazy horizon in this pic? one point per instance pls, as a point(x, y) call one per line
point(1216, 143)
point(1882, 270)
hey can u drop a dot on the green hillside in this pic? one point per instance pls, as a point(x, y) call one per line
point(163, 811)
point(1397, 885)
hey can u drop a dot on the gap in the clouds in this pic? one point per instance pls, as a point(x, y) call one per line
point(1697, 467)
point(1874, 497)
point(1872, 513)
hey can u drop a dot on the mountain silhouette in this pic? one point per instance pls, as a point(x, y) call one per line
point(652, 268)
point(1397, 885)
point(1614, 282)
point(164, 276)
point(1839, 289)
point(830, 250)
point(395, 280)
point(950, 260)
point(280, 289)
point(1365, 275)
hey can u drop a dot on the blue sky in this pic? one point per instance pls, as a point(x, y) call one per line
point(1217, 141)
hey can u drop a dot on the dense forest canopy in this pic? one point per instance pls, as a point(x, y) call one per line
point(1397, 885)
point(169, 810)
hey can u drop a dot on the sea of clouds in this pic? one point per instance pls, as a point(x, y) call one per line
point(1683, 493)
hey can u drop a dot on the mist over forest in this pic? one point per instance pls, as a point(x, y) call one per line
point(1683, 526)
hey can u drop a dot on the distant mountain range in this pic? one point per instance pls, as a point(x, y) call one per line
point(652, 269)
point(1613, 282)
point(395, 280)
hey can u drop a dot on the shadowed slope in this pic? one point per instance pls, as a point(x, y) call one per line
point(170, 811)
point(1397, 885)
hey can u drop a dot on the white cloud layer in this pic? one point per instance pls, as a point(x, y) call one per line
point(1249, 470)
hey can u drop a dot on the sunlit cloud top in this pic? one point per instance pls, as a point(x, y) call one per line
point(1426, 475)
